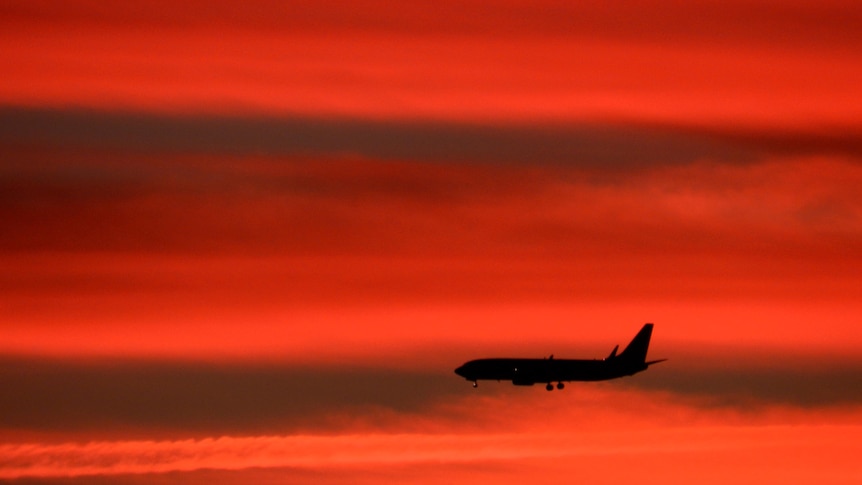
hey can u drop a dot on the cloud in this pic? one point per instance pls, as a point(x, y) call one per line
point(308, 229)
point(512, 451)
point(603, 146)
point(706, 64)
point(804, 382)
point(276, 451)
point(201, 398)
point(152, 399)
point(171, 421)
point(597, 147)
point(723, 22)
point(116, 182)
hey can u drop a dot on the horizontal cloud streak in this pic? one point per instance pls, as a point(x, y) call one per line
point(788, 380)
point(767, 63)
point(232, 453)
point(707, 22)
point(197, 399)
point(57, 196)
point(347, 230)
point(201, 398)
point(604, 146)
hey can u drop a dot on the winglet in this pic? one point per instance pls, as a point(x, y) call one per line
point(613, 353)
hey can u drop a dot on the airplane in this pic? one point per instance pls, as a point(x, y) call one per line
point(527, 372)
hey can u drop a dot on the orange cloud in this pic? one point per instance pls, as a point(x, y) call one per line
point(229, 453)
point(704, 64)
point(581, 437)
point(340, 255)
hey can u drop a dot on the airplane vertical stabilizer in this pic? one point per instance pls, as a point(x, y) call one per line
point(636, 350)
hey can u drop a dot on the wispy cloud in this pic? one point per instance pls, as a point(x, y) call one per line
point(157, 400)
point(498, 429)
point(269, 256)
point(358, 451)
point(706, 63)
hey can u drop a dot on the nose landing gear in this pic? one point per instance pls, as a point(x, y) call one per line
point(475, 384)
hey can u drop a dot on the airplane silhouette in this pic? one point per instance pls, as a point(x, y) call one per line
point(526, 372)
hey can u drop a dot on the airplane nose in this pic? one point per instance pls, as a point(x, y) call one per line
point(460, 371)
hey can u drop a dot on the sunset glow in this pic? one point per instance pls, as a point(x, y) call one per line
point(249, 243)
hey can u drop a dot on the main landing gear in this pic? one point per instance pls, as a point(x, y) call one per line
point(550, 387)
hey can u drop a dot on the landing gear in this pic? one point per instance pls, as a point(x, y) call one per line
point(475, 384)
point(549, 387)
point(560, 386)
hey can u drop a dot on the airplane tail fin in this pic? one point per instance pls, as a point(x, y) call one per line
point(636, 351)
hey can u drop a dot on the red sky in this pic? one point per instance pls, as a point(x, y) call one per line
point(251, 242)
point(746, 63)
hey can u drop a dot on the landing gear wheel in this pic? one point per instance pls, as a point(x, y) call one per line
point(475, 384)
point(549, 387)
point(560, 386)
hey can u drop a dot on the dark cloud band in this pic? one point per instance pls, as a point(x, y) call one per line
point(596, 145)
point(587, 145)
point(236, 399)
point(63, 395)
point(819, 385)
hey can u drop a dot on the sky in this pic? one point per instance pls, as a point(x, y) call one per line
point(250, 242)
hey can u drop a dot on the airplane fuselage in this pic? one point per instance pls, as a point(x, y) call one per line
point(526, 372)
